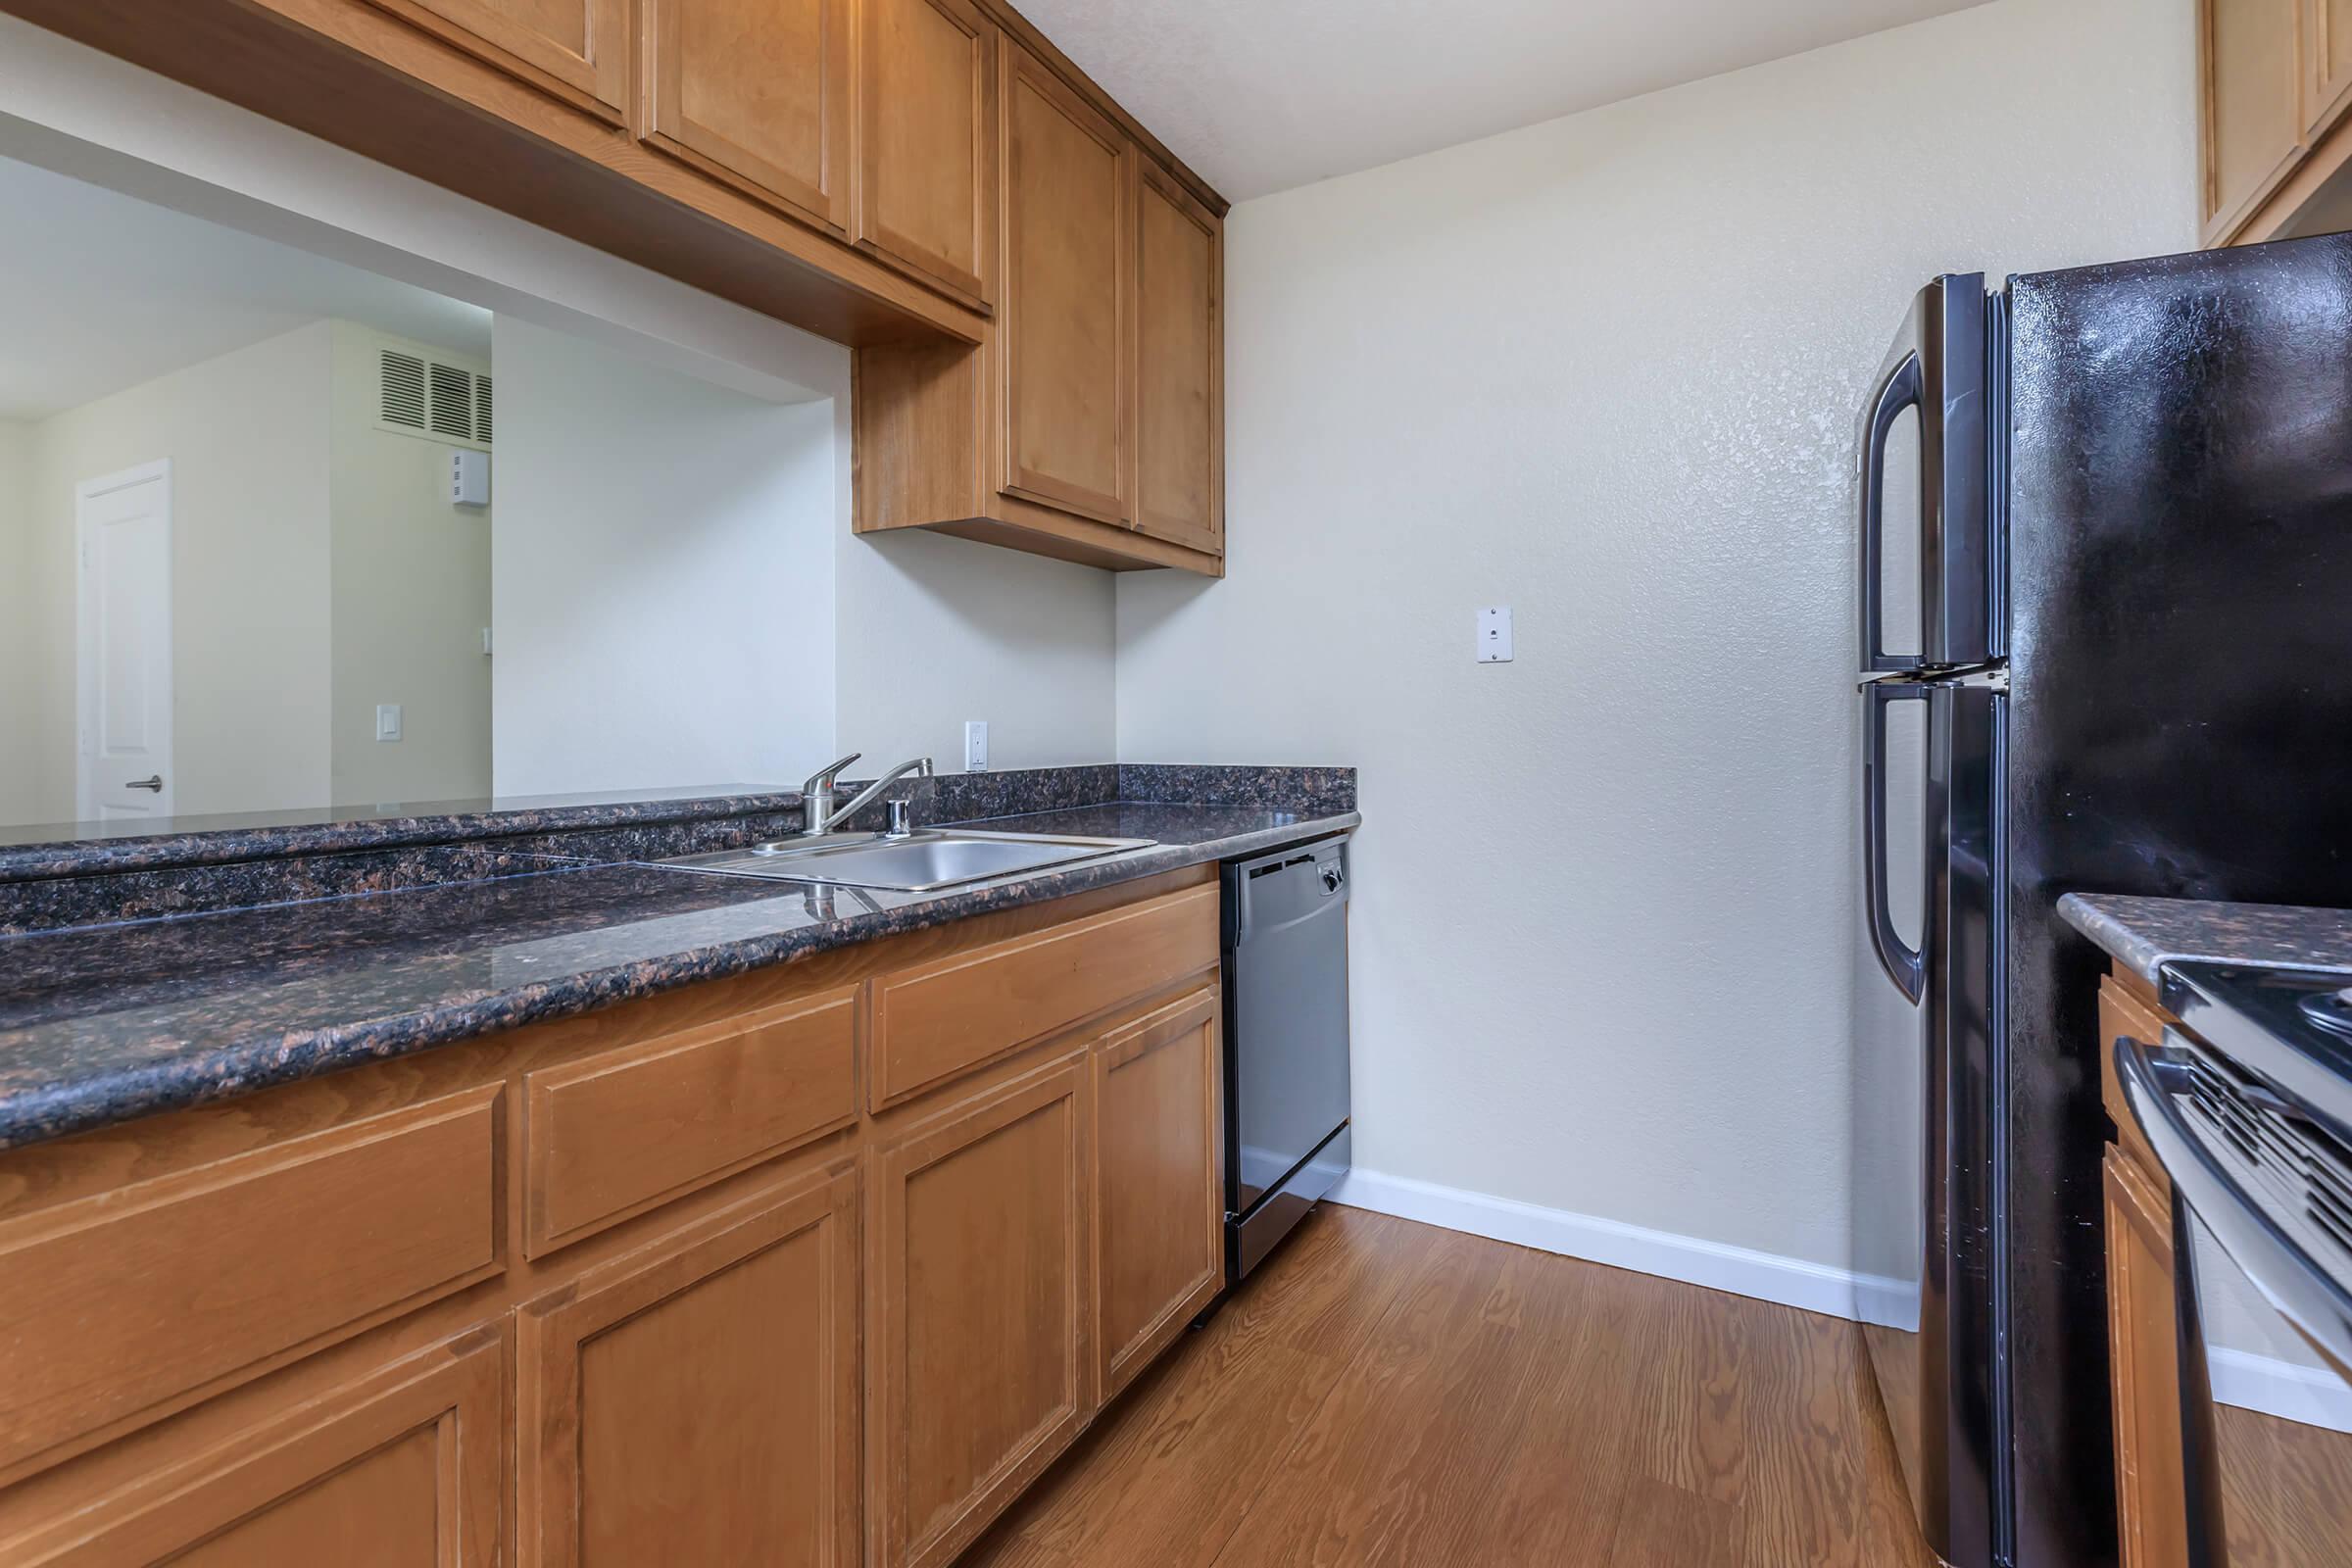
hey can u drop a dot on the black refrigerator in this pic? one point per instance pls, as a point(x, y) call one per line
point(2105, 644)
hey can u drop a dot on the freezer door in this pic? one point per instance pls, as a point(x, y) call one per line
point(1927, 1027)
point(1926, 589)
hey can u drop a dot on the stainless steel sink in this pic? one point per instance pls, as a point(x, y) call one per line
point(923, 862)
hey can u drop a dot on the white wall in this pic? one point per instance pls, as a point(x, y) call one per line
point(934, 631)
point(1604, 371)
point(247, 436)
point(660, 575)
point(19, 744)
point(410, 597)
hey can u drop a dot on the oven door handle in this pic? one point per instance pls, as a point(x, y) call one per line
point(2287, 1276)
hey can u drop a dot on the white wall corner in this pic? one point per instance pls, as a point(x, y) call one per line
point(1716, 1265)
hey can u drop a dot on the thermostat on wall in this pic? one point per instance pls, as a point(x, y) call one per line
point(468, 477)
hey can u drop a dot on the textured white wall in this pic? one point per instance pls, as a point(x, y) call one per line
point(246, 433)
point(1604, 371)
point(20, 754)
point(412, 595)
point(660, 575)
point(934, 631)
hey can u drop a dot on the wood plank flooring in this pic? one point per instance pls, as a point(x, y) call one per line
point(1385, 1392)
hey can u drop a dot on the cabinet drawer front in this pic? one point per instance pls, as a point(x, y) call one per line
point(615, 1134)
point(116, 1310)
point(933, 1022)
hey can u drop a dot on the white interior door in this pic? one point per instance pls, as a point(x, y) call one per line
point(123, 665)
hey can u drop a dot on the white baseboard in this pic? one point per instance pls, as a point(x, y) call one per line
point(2260, 1383)
point(1744, 1271)
point(2291, 1393)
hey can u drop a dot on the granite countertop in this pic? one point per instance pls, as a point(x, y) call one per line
point(101, 1024)
point(132, 844)
point(2146, 934)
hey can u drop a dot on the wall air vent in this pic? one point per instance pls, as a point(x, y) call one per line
point(423, 393)
point(403, 385)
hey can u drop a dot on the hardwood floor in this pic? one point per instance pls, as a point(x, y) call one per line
point(1385, 1392)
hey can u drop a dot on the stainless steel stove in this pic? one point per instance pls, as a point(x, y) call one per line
point(2249, 1110)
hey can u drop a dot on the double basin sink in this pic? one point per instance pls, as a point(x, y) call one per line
point(923, 862)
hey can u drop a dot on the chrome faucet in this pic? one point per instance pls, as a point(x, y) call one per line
point(819, 814)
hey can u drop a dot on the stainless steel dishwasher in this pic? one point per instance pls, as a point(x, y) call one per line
point(1286, 1043)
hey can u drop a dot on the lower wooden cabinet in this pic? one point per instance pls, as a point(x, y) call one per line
point(696, 1402)
point(2145, 1359)
point(402, 1467)
point(1158, 1221)
point(979, 1321)
point(773, 1301)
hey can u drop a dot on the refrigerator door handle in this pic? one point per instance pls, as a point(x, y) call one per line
point(1905, 965)
point(1899, 388)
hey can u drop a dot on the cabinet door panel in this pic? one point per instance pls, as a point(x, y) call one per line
point(927, 136)
point(758, 92)
point(2253, 115)
point(404, 1467)
point(2144, 1356)
point(979, 1335)
point(1157, 1218)
point(1180, 366)
point(1066, 201)
point(2328, 71)
point(580, 48)
point(696, 1401)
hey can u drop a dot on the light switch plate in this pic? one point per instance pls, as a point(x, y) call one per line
point(387, 722)
point(975, 746)
point(1495, 635)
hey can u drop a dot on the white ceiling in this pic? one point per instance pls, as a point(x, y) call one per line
point(1261, 96)
point(99, 293)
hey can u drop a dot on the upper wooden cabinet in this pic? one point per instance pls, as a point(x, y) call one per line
point(1180, 361)
point(578, 49)
point(1066, 352)
point(1089, 424)
point(2253, 109)
point(2327, 64)
point(927, 140)
point(2274, 79)
point(757, 92)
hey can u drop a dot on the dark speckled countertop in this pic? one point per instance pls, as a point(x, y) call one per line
point(101, 1024)
point(2146, 934)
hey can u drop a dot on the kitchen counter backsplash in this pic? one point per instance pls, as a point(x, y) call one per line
point(205, 869)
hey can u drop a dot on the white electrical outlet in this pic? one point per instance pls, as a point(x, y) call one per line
point(387, 722)
point(975, 746)
point(1495, 635)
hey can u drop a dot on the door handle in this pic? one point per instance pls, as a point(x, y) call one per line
point(1898, 390)
point(154, 784)
point(1905, 965)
